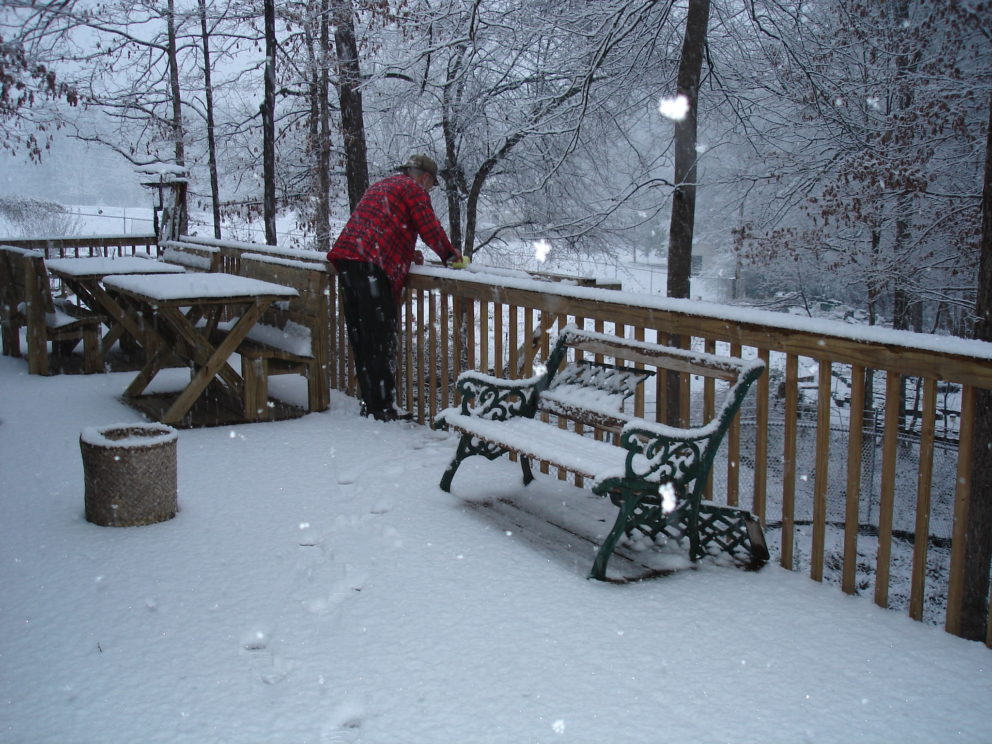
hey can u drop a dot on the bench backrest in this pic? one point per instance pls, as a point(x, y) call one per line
point(300, 319)
point(236, 247)
point(592, 392)
point(24, 284)
point(191, 256)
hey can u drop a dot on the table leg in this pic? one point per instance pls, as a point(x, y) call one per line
point(125, 322)
point(212, 360)
point(156, 349)
point(194, 343)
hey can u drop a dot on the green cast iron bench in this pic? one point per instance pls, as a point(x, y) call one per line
point(655, 475)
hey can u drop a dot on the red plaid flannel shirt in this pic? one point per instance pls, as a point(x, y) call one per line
point(384, 226)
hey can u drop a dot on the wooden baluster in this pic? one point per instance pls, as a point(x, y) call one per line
point(445, 356)
point(432, 333)
point(790, 432)
point(820, 477)
point(761, 439)
point(924, 488)
point(955, 586)
point(709, 410)
point(421, 357)
point(855, 442)
point(887, 500)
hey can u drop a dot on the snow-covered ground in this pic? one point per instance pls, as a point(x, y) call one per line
point(318, 586)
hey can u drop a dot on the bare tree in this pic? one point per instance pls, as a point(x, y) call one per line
point(978, 542)
point(684, 197)
point(322, 130)
point(522, 90)
point(25, 83)
point(866, 142)
point(350, 97)
point(269, 125)
point(208, 92)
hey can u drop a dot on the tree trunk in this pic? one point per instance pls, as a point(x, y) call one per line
point(350, 97)
point(978, 543)
point(684, 196)
point(902, 304)
point(269, 125)
point(323, 216)
point(211, 139)
point(451, 191)
point(454, 176)
point(178, 131)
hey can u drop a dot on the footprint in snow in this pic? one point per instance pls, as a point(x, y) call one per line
point(270, 667)
point(381, 507)
point(343, 725)
point(348, 584)
point(347, 477)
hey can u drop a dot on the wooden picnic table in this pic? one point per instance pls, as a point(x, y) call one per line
point(84, 276)
point(182, 316)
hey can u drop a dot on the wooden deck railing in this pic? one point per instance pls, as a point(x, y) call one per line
point(457, 320)
point(89, 245)
point(824, 513)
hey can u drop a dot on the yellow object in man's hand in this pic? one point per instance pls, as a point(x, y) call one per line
point(461, 263)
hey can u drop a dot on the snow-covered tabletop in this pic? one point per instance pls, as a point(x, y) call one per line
point(196, 286)
point(98, 266)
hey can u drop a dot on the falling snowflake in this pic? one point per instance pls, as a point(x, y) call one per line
point(667, 491)
point(674, 108)
point(541, 250)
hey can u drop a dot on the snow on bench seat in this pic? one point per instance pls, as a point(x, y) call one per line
point(540, 441)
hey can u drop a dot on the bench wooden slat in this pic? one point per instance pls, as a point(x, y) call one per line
point(666, 359)
point(535, 439)
point(191, 256)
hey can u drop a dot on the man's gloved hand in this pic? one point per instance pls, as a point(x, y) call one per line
point(418, 258)
point(460, 262)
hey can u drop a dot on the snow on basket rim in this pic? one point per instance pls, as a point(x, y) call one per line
point(131, 437)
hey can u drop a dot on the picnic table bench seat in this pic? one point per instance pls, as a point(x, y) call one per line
point(653, 473)
point(191, 256)
point(292, 335)
point(26, 300)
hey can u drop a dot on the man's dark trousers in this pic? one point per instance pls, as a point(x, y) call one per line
point(370, 314)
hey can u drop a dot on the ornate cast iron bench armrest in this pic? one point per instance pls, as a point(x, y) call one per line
point(661, 490)
point(658, 453)
point(491, 397)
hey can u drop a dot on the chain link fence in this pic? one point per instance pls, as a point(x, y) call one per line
point(904, 507)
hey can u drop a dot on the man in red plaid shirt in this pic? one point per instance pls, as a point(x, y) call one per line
point(372, 257)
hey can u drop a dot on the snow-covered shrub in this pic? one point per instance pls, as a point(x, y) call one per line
point(36, 218)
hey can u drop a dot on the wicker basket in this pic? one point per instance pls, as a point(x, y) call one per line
point(130, 474)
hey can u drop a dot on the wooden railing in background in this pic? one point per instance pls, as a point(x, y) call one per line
point(89, 245)
point(456, 320)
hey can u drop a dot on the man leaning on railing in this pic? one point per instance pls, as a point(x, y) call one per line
point(372, 257)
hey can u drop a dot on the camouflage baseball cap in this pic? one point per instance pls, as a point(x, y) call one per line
point(420, 162)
